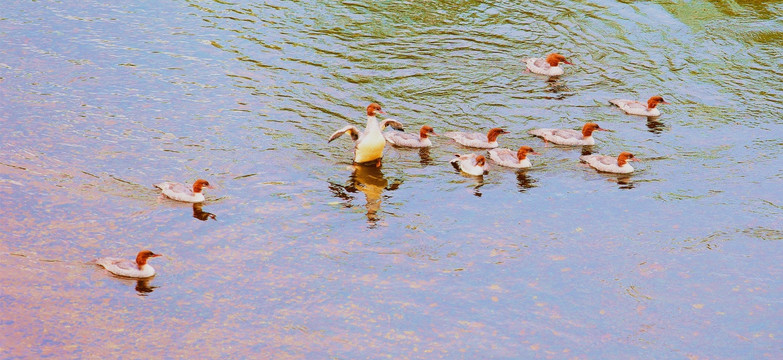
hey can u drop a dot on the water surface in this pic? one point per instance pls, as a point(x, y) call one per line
point(297, 254)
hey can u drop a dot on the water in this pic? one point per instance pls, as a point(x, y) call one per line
point(301, 256)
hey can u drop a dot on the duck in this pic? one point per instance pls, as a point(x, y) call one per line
point(181, 192)
point(368, 145)
point(549, 66)
point(632, 107)
point(129, 268)
point(618, 165)
point(569, 136)
point(477, 140)
point(508, 158)
point(471, 164)
point(412, 140)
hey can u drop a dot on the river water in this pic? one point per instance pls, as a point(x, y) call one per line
point(296, 254)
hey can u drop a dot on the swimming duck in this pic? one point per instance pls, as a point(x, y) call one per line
point(477, 140)
point(549, 66)
point(569, 136)
point(412, 140)
point(618, 165)
point(181, 192)
point(509, 158)
point(130, 268)
point(369, 144)
point(471, 164)
point(632, 107)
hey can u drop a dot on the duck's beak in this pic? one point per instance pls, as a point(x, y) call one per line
point(533, 153)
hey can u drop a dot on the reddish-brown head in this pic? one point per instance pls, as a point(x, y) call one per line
point(624, 158)
point(480, 160)
point(654, 101)
point(523, 151)
point(200, 184)
point(374, 109)
point(554, 59)
point(425, 131)
point(141, 258)
point(493, 134)
point(588, 129)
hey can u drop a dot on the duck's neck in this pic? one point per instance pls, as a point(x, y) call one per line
point(372, 124)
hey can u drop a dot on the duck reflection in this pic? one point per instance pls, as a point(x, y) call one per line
point(555, 85)
point(370, 181)
point(587, 150)
point(424, 155)
point(479, 184)
point(202, 215)
point(624, 181)
point(524, 181)
point(654, 126)
point(143, 287)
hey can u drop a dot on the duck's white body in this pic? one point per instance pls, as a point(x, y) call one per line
point(471, 164)
point(569, 136)
point(542, 67)
point(369, 143)
point(633, 107)
point(508, 158)
point(125, 267)
point(607, 164)
point(407, 140)
point(563, 136)
point(180, 192)
point(477, 140)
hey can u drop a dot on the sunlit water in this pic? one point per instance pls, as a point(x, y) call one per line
point(298, 255)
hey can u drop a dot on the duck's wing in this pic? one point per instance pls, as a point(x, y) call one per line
point(355, 133)
point(502, 156)
point(403, 139)
point(174, 188)
point(463, 136)
point(567, 133)
point(623, 103)
point(599, 159)
point(116, 263)
point(396, 125)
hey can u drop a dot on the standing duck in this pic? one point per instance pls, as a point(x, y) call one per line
point(181, 192)
point(130, 268)
point(412, 140)
point(618, 165)
point(509, 158)
point(477, 140)
point(471, 164)
point(368, 145)
point(569, 136)
point(549, 66)
point(632, 107)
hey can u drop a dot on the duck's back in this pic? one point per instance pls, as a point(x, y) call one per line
point(406, 139)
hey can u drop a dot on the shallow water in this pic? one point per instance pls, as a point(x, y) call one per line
point(298, 255)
